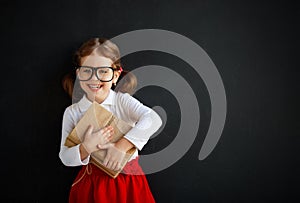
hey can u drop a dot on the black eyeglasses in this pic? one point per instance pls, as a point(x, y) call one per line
point(104, 73)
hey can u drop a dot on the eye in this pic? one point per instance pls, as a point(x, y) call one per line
point(86, 70)
point(103, 71)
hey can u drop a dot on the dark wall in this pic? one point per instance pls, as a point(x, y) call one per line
point(253, 45)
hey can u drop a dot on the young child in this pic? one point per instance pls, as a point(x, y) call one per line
point(98, 70)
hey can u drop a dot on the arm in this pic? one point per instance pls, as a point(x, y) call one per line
point(73, 156)
point(124, 145)
point(147, 121)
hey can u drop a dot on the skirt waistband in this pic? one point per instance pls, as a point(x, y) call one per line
point(131, 168)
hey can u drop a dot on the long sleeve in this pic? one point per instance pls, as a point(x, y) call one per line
point(69, 156)
point(146, 121)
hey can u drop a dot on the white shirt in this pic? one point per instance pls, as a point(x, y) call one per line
point(144, 120)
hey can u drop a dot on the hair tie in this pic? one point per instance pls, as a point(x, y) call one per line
point(121, 69)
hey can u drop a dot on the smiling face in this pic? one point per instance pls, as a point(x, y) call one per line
point(95, 89)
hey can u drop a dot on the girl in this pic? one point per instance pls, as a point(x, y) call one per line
point(98, 70)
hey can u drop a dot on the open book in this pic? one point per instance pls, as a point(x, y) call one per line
point(99, 117)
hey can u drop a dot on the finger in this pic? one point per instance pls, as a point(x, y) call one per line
point(103, 131)
point(105, 161)
point(109, 138)
point(114, 166)
point(106, 132)
point(112, 132)
point(109, 135)
point(118, 167)
point(108, 128)
point(104, 146)
point(109, 164)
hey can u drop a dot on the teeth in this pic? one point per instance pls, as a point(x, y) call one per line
point(94, 86)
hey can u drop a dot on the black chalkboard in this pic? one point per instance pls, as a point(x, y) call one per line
point(252, 44)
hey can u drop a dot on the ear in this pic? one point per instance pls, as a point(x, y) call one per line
point(116, 76)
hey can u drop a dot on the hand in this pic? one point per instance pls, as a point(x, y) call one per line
point(114, 156)
point(92, 139)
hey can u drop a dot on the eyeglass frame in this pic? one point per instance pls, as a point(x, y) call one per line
point(95, 69)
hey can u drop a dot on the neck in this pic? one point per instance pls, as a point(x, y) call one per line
point(98, 98)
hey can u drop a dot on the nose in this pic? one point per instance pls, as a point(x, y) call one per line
point(94, 77)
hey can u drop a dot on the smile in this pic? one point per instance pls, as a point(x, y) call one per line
point(95, 87)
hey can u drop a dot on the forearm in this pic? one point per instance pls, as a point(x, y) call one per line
point(123, 144)
point(147, 125)
point(72, 156)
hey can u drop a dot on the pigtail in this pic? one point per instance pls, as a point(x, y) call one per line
point(72, 87)
point(127, 83)
point(68, 83)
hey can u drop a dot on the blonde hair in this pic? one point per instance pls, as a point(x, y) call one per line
point(102, 47)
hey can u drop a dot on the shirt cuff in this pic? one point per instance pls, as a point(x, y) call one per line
point(85, 161)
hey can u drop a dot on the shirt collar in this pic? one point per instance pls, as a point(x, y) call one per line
point(110, 98)
point(85, 103)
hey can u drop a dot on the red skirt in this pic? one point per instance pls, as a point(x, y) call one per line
point(92, 185)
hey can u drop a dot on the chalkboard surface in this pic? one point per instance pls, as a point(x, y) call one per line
point(253, 46)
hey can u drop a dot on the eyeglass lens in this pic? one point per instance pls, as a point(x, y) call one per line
point(102, 73)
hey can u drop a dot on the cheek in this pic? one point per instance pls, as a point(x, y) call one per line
point(108, 85)
point(82, 84)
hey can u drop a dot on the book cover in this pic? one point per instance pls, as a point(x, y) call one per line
point(99, 117)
